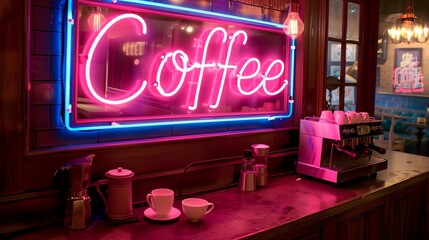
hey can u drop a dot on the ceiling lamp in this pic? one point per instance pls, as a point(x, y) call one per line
point(293, 25)
point(409, 30)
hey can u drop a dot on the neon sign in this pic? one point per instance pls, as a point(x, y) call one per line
point(129, 73)
point(408, 77)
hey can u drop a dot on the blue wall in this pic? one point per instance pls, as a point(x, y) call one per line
point(401, 101)
point(404, 102)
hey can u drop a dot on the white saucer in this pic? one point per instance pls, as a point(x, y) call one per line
point(174, 213)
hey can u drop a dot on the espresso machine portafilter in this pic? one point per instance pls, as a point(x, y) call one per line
point(74, 178)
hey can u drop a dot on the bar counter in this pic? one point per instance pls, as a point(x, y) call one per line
point(285, 205)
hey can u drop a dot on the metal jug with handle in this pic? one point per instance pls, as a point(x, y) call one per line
point(119, 203)
point(74, 177)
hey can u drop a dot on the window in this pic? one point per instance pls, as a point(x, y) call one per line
point(342, 58)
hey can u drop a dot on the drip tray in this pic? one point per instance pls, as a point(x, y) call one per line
point(350, 165)
point(348, 170)
point(344, 170)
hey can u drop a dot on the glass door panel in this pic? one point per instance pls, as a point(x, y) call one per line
point(353, 21)
point(335, 18)
point(352, 51)
point(342, 78)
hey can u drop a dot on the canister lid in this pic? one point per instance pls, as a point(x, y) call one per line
point(119, 173)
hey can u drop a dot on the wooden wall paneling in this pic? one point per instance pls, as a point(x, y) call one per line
point(13, 55)
point(151, 156)
point(408, 216)
point(313, 98)
point(368, 52)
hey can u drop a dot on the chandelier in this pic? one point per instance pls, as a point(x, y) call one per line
point(409, 30)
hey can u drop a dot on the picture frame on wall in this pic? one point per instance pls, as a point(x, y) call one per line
point(335, 52)
point(351, 53)
point(382, 49)
point(335, 71)
point(408, 57)
point(407, 71)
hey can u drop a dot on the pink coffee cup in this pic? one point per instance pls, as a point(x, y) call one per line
point(340, 117)
point(327, 115)
point(351, 117)
point(365, 117)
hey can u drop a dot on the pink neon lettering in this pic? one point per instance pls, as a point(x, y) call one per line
point(241, 77)
point(227, 66)
point(203, 64)
point(91, 53)
point(275, 77)
point(184, 59)
point(170, 80)
point(408, 78)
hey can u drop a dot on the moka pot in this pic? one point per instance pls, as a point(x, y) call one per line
point(76, 175)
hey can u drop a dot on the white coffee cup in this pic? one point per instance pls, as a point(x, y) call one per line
point(327, 115)
point(359, 117)
point(161, 201)
point(351, 117)
point(340, 117)
point(365, 116)
point(196, 208)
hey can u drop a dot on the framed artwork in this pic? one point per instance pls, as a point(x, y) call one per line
point(335, 52)
point(408, 57)
point(335, 71)
point(351, 53)
point(381, 49)
point(407, 71)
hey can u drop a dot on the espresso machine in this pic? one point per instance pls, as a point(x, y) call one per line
point(74, 178)
point(339, 153)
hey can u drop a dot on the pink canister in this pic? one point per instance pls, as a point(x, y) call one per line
point(119, 204)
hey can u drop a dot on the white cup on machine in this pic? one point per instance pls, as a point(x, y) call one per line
point(340, 117)
point(161, 201)
point(351, 117)
point(327, 116)
point(365, 117)
point(359, 117)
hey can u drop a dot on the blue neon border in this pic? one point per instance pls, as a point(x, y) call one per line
point(161, 6)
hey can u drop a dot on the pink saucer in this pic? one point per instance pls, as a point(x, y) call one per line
point(174, 213)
